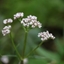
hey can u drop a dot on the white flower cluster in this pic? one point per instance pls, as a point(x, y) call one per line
point(5, 59)
point(6, 21)
point(6, 30)
point(31, 21)
point(18, 15)
point(45, 35)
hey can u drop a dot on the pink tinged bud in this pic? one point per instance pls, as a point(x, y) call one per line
point(45, 35)
point(6, 30)
point(18, 15)
point(6, 21)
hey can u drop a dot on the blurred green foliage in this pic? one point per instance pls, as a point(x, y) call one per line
point(50, 13)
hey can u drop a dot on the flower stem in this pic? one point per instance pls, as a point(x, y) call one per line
point(0, 54)
point(34, 49)
point(19, 56)
point(21, 62)
point(25, 41)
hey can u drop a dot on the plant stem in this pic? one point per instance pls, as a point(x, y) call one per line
point(25, 41)
point(21, 62)
point(19, 56)
point(34, 49)
point(0, 54)
point(63, 32)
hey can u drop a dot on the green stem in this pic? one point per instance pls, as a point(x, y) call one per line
point(34, 49)
point(25, 42)
point(63, 32)
point(21, 62)
point(0, 54)
point(19, 56)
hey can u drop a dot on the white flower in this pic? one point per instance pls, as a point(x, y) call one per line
point(45, 35)
point(18, 15)
point(31, 21)
point(6, 21)
point(6, 30)
point(5, 59)
point(25, 61)
point(32, 17)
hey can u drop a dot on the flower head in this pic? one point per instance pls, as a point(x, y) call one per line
point(5, 59)
point(6, 30)
point(32, 17)
point(45, 35)
point(31, 21)
point(18, 15)
point(6, 21)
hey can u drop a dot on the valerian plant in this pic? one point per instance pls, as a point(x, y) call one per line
point(28, 23)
